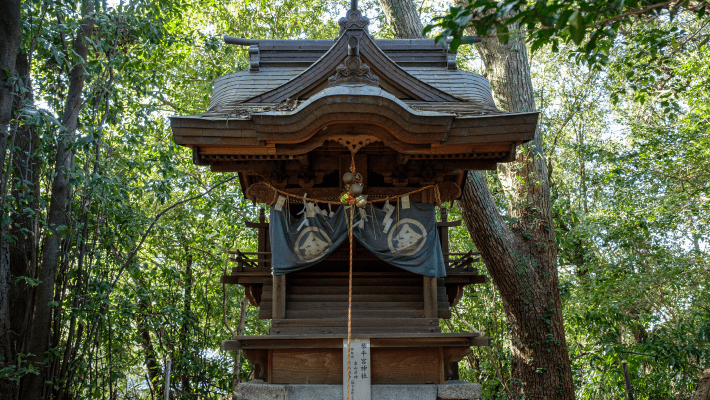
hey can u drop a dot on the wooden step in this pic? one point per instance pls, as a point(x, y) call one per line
point(357, 305)
point(356, 322)
point(306, 330)
point(344, 290)
point(265, 312)
point(321, 314)
point(388, 298)
point(357, 281)
point(317, 314)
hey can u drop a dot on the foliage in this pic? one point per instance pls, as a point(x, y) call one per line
point(586, 23)
point(115, 313)
point(630, 188)
point(627, 145)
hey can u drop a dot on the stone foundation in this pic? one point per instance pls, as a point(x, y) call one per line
point(452, 390)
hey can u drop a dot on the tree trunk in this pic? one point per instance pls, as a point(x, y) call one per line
point(24, 226)
point(33, 384)
point(520, 256)
point(403, 17)
point(10, 40)
point(149, 355)
point(238, 353)
point(185, 328)
point(703, 390)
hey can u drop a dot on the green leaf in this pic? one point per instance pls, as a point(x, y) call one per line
point(577, 27)
point(576, 20)
point(536, 45)
point(469, 39)
point(463, 20)
point(503, 33)
point(455, 43)
point(564, 18)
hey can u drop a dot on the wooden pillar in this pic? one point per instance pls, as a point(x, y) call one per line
point(444, 236)
point(261, 241)
point(278, 304)
point(430, 298)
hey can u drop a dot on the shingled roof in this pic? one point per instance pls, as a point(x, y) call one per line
point(275, 62)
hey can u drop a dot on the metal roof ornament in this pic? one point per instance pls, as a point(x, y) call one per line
point(354, 20)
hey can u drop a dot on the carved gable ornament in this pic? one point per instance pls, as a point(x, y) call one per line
point(353, 70)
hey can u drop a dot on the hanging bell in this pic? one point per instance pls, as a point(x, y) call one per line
point(348, 177)
point(361, 201)
point(356, 189)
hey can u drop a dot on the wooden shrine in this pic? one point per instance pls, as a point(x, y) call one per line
point(288, 125)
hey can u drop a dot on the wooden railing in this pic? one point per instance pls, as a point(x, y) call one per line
point(457, 262)
point(246, 259)
point(463, 262)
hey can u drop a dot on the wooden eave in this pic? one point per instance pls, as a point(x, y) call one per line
point(343, 110)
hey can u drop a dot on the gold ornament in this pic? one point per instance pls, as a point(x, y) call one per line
point(361, 201)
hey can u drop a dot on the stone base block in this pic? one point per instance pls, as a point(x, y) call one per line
point(458, 390)
point(452, 390)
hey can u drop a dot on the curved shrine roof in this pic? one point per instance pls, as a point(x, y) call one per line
point(299, 94)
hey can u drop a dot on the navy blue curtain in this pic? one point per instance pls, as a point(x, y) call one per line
point(409, 241)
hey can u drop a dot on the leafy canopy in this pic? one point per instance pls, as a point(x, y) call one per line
point(592, 25)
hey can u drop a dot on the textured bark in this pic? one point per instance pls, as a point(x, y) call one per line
point(10, 40)
point(23, 229)
point(702, 392)
point(527, 282)
point(39, 342)
point(403, 18)
point(520, 256)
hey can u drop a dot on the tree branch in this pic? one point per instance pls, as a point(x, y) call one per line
point(155, 220)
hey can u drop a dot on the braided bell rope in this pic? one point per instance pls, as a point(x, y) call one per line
point(350, 279)
point(350, 297)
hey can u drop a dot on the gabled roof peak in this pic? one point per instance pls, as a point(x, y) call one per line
point(356, 47)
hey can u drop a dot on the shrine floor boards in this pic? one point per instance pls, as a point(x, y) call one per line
point(452, 390)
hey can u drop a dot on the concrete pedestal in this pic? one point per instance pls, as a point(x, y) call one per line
point(452, 390)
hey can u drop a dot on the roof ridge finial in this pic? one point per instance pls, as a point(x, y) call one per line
point(353, 19)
